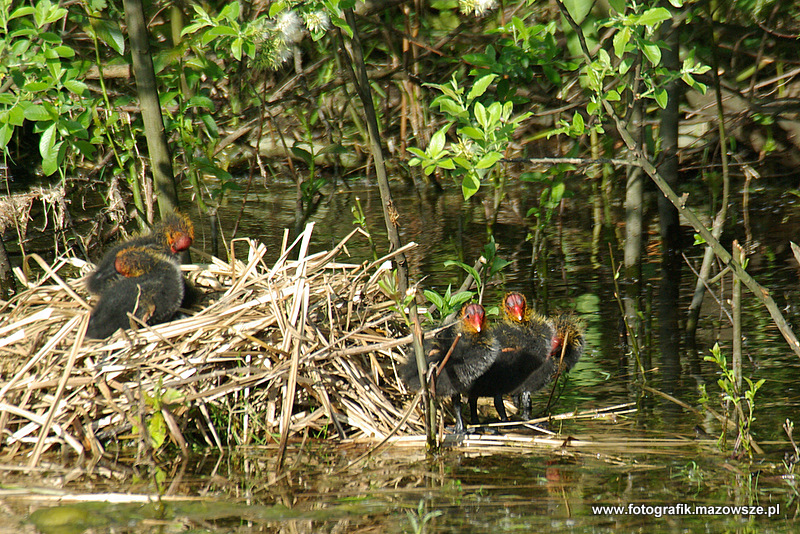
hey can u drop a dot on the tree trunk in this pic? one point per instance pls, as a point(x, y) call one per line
point(390, 214)
point(634, 207)
point(161, 162)
point(671, 260)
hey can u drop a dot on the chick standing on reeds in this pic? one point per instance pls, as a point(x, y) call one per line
point(566, 337)
point(525, 340)
point(471, 356)
point(172, 235)
point(150, 287)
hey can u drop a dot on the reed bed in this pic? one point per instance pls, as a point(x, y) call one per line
point(306, 346)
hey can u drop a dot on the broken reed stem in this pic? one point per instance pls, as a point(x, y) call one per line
point(736, 311)
point(384, 441)
point(299, 307)
point(558, 370)
point(73, 354)
point(429, 402)
point(628, 328)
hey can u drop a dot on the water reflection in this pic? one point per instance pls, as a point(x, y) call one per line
point(458, 491)
point(493, 488)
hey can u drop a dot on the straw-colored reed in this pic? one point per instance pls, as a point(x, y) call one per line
point(305, 346)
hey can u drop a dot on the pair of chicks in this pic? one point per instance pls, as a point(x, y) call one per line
point(516, 356)
point(141, 277)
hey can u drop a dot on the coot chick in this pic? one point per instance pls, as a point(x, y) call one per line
point(172, 235)
point(150, 287)
point(471, 357)
point(525, 340)
point(566, 350)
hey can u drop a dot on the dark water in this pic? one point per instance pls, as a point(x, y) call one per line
point(657, 454)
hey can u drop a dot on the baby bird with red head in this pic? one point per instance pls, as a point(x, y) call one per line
point(172, 235)
point(150, 287)
point(565, 334)
point(471, 348)
point(524, 339)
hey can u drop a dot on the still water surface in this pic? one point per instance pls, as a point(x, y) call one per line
point(654, 454)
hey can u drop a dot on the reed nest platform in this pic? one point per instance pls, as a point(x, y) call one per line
point(306, 346)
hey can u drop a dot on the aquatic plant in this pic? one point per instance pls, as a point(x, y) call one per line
point(740, 404)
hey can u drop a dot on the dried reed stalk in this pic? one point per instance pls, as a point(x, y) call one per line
point(306, 345)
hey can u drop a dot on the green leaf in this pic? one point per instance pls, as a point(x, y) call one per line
point(578, 126)
point(157, 428)
point(210, 124)
point(621, 39)
point(557, 192)
point(625, 65)
point(303, 155)
point(76, 87)
point(85, 147)
point(276, 7)
point(489, 160)
point(480, 86)
point(578, 9)
point(230, 12)
point(236, 49)
point(417, 152)
point(37, 112)
point(171, 396)
point(16, 115)
point(618, 6)
point(64, 51)
point(437, 141)
point(464, 163)
point(50, 151)
point(6, 131)
point(35, 87)
point(661, 97)
point(446, 163)
point(218, 31)
point(460, 298)
point(434, 298)
point(480, 115)
point(21, 12)
point(654, 16)
point(652, 51)
point(108, 31)
point(470, 185)
point(472, 133)
point(47, 140)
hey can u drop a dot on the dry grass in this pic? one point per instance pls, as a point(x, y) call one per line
point(305, 346)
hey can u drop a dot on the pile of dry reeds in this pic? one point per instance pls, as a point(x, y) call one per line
point(308, 345)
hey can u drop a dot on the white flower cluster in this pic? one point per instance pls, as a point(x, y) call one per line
point(476, 7)
point(317, 21)
point(287, 29)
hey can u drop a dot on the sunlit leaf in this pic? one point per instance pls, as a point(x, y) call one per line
point(618, 6)
point(157, 429)
point(489, 160)
point(480, 86)
point(661, 97)
point(652, 51)
point(470, 185)
point(654, 16)
point(621, 39)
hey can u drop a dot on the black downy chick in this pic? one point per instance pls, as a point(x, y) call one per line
point(471, 356)
point(151, 288)
point(172, 235)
